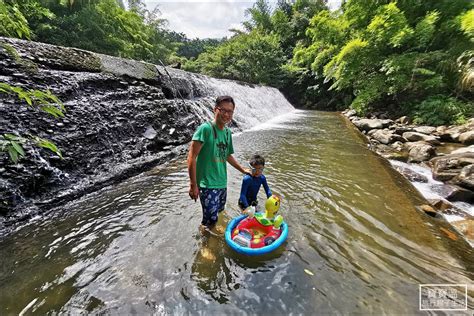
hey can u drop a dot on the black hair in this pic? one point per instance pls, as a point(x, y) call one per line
point(257, 160)
point(224, 98)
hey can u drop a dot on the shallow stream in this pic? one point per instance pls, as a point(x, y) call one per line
point(356, 243)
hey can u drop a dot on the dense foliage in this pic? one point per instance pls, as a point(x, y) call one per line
point(410, 57)
point(258, 53)
point(103, 26)
point(406, 55)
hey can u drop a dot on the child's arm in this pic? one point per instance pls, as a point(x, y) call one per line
point(268, 192)
point(243, 192)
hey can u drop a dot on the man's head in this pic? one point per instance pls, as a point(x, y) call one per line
point(224, 109)
point(257, 164)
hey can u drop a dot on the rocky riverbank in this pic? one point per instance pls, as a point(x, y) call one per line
point(448, 151)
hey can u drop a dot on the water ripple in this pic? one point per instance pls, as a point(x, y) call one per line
point(135, 247)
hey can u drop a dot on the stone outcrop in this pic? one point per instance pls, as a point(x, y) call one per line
point(103, 134)
point(447, 167)
point(419, 151)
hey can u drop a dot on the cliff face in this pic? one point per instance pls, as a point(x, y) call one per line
point(122, 116)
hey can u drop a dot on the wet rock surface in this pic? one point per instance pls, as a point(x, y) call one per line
point(122, 117)
point(104, 135)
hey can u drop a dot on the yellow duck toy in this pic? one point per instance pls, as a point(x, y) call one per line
point(270, 217)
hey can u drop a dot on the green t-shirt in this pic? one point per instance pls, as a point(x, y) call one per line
point(211, 163)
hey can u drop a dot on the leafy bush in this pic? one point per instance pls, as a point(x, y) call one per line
point(442, 110)
point(46, 102)
point(12, 22)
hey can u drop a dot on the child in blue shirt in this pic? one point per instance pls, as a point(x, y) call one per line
point(251, 183)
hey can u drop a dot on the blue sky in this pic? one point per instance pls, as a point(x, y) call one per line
point(206, 19)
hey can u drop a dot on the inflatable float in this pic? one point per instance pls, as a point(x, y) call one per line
point(258, 233)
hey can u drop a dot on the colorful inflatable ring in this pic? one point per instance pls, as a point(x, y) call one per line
point(240, 235)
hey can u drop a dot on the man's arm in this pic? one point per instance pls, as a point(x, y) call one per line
point(194, 150)
point(234, 163)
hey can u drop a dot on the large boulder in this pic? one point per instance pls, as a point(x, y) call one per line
point(455, 193)
point(428, 130)
point(465, 178)
point(419, 151)
point(453, 133)
point(400, 129)
point(349, 113)
point(368, 124)
point(467, 138)
point(385, 136)
point(447, 167)
point(403, 120)
point(414, 137)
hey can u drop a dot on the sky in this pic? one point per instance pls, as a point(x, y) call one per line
point(206, 19)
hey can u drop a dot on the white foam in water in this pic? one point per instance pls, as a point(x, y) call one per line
point(432, 188)
point(453, 218)
point(277, 122)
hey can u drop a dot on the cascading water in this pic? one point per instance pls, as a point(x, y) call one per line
point(255, 104)
point(432, 189)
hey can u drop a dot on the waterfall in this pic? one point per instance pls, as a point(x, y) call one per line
point(255, 104)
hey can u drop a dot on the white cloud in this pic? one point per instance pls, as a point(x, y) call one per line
point(207, 19)
point(334, 4)
point(202, 19)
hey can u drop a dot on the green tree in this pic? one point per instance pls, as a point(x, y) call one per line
point(260, 16)
point(252, 57)
point(103, 26)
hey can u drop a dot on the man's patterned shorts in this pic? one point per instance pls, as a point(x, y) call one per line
point(212, 202)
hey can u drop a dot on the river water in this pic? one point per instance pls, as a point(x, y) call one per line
point(356, 242)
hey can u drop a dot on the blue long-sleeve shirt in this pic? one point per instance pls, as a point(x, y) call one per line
point(250, 187)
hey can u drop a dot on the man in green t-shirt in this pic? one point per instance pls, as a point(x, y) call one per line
point(211, 148)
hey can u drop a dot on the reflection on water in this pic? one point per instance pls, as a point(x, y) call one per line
point(135, 248)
